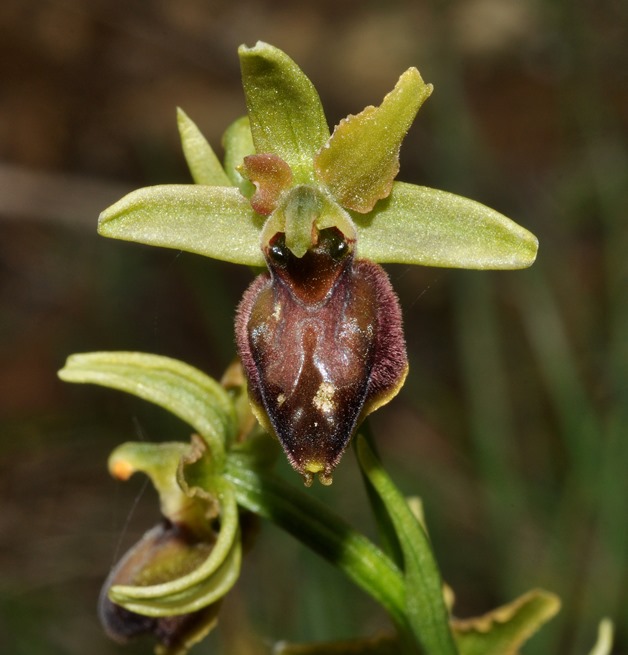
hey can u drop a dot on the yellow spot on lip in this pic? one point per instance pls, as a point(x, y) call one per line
point(314, 466)
point(324, 398)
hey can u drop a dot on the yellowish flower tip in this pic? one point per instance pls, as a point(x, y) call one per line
point(325, 478)
point(121, 469)
point(312, 467)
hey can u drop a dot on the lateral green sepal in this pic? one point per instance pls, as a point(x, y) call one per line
point(216, 221)
point(419, 225)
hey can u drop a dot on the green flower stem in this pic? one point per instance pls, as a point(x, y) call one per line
point(388, 537)
point(325, 533)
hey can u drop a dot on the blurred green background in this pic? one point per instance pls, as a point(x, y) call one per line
point(513, 425)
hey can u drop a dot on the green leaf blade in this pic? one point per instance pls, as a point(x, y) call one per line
point(202, 161)
point(179, 388)
point(286, 114)
point(419, 225)
point(216, 222)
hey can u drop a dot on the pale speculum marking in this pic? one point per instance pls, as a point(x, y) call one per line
point(324, 398)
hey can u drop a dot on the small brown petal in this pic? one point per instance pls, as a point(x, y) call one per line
point(271, 176)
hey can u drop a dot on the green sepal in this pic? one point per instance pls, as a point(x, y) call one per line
point(419, 225)
point(160, 462)
point(361, 159)
point(238, 144)
point(204, 166)
point(286, 114)
point(179, 388)
point(426, 611)
point(216, 222)
point(504, 630)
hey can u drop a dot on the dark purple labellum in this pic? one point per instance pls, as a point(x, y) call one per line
point(321, 342)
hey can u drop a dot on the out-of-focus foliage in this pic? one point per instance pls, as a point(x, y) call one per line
point(513, 404)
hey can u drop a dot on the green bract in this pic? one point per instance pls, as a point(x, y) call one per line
point(304, 176)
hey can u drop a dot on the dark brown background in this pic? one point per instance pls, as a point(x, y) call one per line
point(512, 426)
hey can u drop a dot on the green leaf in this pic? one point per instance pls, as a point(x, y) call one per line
point(202, 161)
point(604, 643)
point(425, 606)
point(286, 114)
point(238, 144)
point(361, 159)
point(418, 225)
point(216, 222)
point(177, 387)
point(504, 630)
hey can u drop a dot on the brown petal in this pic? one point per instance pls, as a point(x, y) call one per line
point(271, 176)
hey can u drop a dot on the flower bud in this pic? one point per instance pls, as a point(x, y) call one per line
point(162, 549)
